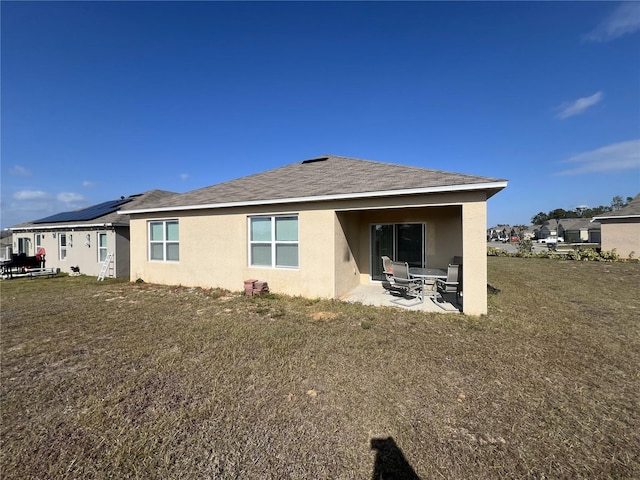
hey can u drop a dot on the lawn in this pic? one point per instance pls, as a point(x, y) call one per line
point(119, 380)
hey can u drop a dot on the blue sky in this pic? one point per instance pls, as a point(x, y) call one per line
point(103, 99)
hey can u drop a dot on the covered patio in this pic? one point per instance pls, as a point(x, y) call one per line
point(424, 236)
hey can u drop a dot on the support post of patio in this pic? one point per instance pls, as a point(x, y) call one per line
point(474, 271)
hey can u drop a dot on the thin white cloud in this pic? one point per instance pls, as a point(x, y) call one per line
point(184, 176)
point(70, 199)
point(30, 195)
point(20, 171)
point(611, 158)
point(579, 106)
point(87, 184)
point(625, 19)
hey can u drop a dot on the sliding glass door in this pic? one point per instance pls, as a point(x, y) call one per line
point(402, 242)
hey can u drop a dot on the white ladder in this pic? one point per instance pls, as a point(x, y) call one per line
point(105, 266)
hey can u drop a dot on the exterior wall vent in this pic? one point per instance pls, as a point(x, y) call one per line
point(314, 160)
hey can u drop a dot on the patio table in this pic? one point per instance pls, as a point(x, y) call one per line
point(428, 274)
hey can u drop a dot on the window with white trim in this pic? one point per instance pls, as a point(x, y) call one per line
point(38, 241)
point(273, 241)
point(164, 244)
point(23, 245)
point(62, 245)
point(102, 247)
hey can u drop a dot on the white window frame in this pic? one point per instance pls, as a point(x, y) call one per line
point(62, 249)
point(273, 243)
point(100, 248)
point(23, 245)
point(164, 242)
point(38, 242)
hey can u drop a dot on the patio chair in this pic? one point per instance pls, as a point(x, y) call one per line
point(404, 284)
point(452, 284)
point(387, 270)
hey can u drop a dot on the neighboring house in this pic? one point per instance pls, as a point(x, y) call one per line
point(579, 230)
point(527, 233)
point(317, 228)
point(83, 238)
point(546, 230)
point(509, 233)
point(6, 247)
point(499, 232)
point(620, 229)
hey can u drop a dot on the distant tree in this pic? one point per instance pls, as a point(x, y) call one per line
point(585, 212)
point(525, 245)
point(581, 209)
point(562, 213)
point(539, 218)
point(617, 203)
point(592, 212)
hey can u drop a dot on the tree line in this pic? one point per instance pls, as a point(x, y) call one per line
point(580, 212)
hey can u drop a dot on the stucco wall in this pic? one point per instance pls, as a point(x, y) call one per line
point(624, 236)
point(122, 253)
point(334, 244)
point(347, 269)
point(443, 231)
point(214, 253)
point(474, 270)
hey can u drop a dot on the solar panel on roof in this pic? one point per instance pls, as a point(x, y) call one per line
point(85, 214)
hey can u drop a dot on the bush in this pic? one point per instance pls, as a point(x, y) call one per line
point(585, 255)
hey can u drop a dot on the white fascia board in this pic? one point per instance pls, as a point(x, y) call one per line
point(65, 227)
point(320, 198)
point(614, 217)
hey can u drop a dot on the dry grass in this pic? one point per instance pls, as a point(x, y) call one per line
point(119, 380)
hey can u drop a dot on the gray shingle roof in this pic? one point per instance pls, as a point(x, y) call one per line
point(326, 176)
point(143, 200)
point(631, 210)
point(578, 223)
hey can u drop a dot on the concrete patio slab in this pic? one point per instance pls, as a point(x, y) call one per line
point(377, 296)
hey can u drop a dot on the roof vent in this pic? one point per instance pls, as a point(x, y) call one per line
point(314, 160)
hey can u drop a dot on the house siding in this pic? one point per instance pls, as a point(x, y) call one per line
point(214, 253)
point(334, 254)
point(474, 271)
point(122, 254)
point(622, 235)
point(82, 249)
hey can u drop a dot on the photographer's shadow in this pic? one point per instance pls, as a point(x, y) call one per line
point(390, 463)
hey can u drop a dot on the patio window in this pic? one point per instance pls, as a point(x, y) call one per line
point(164, 242)
point(102, 247)
point(62, 246)
point(273, 241)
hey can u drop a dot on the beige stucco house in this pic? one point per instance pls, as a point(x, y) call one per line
point(317, 228)
point(84, 238)
point(620, 229)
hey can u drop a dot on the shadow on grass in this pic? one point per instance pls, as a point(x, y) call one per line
point(390, 463)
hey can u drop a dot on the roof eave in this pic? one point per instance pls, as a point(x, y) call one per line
point(614, 217)
point(66, 226)
point(491, 186)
